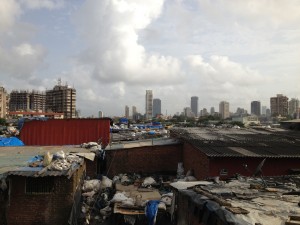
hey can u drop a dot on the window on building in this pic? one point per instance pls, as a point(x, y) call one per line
point(224, 172)
point(40, 185)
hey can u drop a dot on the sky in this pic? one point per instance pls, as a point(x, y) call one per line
point(112, 51)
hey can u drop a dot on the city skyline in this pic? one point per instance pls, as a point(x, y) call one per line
point(111, 51)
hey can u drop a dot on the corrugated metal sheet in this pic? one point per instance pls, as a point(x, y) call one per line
point(65, 132)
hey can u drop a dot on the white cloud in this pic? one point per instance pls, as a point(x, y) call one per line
point(114, 52)
point(9, 11)
point(26, 59)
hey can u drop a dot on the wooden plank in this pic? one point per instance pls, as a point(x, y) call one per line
point(237, 210)
point(222, 202)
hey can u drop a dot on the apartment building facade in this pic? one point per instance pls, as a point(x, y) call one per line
point(224, 110)
point(3, 102)
point(62, 99)
point(279, 105)
point(27, 101)
point(149, 104)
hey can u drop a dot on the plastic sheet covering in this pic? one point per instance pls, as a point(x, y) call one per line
point(151, 211)
point(209, 212)
point(11, 141)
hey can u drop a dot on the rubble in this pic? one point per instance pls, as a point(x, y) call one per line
point(130, 193)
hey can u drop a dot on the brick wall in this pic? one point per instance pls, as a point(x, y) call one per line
point(271, 167)
point(42, 209)
point(194, 159)
point(147, 159)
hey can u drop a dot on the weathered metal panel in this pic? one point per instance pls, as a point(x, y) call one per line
point(65, 132)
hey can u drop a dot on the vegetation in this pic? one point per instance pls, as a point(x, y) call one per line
point(237, 123)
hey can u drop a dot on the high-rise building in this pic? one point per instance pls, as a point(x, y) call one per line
point(187, 111)
point(224, 109)
point(149, 104)
point(62, 99)
point(156, 107)
point(127, 111)
point(27, 101)
point(255, 108)
point(293, 106)
point(134, 111)
point(203, 112)
point(264, 110)
point(212, 111)
point(279, 105)
point(3, 102)
point(100, 114)
point(194, 105)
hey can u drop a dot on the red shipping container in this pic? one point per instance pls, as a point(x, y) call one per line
point(65, 131)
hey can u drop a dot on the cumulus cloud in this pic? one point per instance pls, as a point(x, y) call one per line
point(26, 59)
point(114, 52)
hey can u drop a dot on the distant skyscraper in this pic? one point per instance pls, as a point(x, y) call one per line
point(3, 102)
point(212, 111)
point(134, 111)
point(149, 104)
point(264, 110)
point(101, 114)
point(268, 112)
point(293, 106)
point(127, 111)
point(255, 108)
point(188, 112)
point(224, 109)
point(203, 112)
point(62, 99)
point(240, 111)
point(279, 105)
point(194, 105)
point(156, 107)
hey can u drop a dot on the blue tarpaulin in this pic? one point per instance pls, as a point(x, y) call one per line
point(151, 211)
point(10, 141)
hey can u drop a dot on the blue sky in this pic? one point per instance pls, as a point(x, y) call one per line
point(111, 51)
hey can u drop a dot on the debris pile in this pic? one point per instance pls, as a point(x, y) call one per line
point(56, 162)
point(96, 197)
point(131, 192)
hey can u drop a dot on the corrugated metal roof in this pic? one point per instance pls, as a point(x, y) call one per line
point(241, 142)
point(65, 131)
point(15, 159)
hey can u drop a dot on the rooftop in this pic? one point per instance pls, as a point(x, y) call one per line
point(231, 142)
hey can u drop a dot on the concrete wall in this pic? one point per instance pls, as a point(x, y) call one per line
point(42, 209)
point(147, 159)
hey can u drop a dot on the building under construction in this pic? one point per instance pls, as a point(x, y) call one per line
point(24, 100)
point(62, 99)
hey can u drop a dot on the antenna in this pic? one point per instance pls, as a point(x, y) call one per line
point(59, 81)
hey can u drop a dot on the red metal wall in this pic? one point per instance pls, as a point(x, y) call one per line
point(65, 132)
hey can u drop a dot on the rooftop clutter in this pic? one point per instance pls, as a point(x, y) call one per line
point(60, 161)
